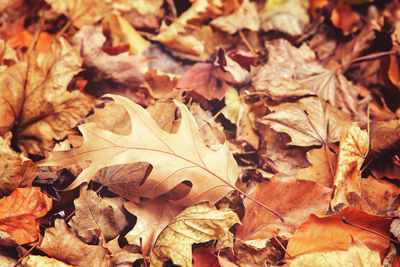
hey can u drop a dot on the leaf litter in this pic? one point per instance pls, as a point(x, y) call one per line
point(159, 133)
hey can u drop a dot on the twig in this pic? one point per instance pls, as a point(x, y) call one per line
point(27, 253)
point(282, 246)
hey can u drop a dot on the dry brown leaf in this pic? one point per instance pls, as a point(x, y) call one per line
point(94, 213)
point(120, 256)
point(294, 199)
point(245, 17)
point(357, 255)
point(197, 224)
point(41, 261)
point(175, 157)
point(309, 121)
point(19, 213)
point(71, 249)
point(15, 169)
point(294, 72)
point(49, 111)
point(330, 233)
point(352, 151)
point(122, 68)
point(152, 217)
point(323, 168)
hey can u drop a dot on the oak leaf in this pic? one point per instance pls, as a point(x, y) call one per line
point(152, 217)
point(93, 212)
point(309, 121)
point(175, 157)
point(352, 151)
point(19, 213)
point(71, 249)
point(197, 224)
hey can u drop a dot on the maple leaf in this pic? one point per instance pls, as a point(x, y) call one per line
point(94, 213)
point(175, 157)
point(71, 249)
point(153, 216)
point(309, 121)
point(20, 213)
point(195, 224)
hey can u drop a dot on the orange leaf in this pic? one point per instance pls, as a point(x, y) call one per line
point(330, 233)
point(344, 17)
point(203, 257)
point(19, 213)
point(21, 39)
point(393, 71)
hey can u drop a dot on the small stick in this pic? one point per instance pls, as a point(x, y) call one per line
point(249, 46)
point(27, 253)
point(369, 230)
point(282, 246)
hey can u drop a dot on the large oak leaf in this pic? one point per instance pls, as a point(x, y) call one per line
point(310, 121)
point(175, 157)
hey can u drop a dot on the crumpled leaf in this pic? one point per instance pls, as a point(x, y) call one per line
point(61, 243)
point(294, 72)
point(174, 157)
point(245, 17)
point(290, 17)
point(19, 213)
point(203, 257)
point(323, 167)
point(309, 121)
point(352, 151)
point(122, 68)
point(93, 213)
point(357, 255)
point(49, 111)
point(40, 261)
point(294, 199)
point(15, 169)
point(195, 224)
point(330, 233)
point(120, 256)
point(152, 217)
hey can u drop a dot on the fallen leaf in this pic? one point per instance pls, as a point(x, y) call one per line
point(197, 224)
point(293, 72)
point(93, 213)
point(152, 217)
point(357, 255)
point(20, 213)
point(309, 121)
point(122, 68)
point(121, 257)
point(344, 18)
point(245, 17)
point(15, 169)
point(323, 168)
point(294, 199)
point(174, 157)
point(352, 151)
point(330, 233)
point(40, 261)
point(49, 111)
point(71, 249)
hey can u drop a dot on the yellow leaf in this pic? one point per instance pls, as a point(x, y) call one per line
point(42, 261)
point(175, 157)
point(194, 225)
point(122, 32)
point(353, 148)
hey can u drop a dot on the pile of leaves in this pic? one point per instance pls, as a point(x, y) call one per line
point(199, 133)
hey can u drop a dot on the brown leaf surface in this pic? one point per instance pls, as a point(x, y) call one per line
point(330, 233)
point(174, 157)
point(94, 213)
point(152, 217)
point(352, 151)
point(15, 169)
point(20, 213)
point(71, 249)
point(309, 121)
point(323, 168)
point(294, 199)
